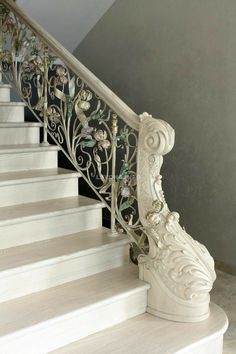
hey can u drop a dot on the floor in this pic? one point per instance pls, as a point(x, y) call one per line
point(224, 295)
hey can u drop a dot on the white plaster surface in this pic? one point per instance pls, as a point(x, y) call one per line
point(224, 294)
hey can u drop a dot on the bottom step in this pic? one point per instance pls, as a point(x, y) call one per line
point(146, 334)
point(44, 321)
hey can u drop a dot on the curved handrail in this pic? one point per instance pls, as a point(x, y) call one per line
point(112, 100)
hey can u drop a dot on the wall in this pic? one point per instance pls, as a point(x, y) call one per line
point(177, 60)
point(68, 21)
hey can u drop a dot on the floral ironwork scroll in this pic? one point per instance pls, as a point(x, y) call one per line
point(97, 142)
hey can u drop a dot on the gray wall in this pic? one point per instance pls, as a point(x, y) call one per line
point(176, 59)
point(68, 21)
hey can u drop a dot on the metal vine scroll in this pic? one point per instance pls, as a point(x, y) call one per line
point(95, 140)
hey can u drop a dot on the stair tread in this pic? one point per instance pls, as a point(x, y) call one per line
point(20, 124)
point(6, 149)
point(149, 334)
point(5, 86)
point(57, 249)
point(15, 177)
point(12, 103)
point(64, 300)
point(46, 208)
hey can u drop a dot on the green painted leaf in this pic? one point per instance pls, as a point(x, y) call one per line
point(88, 143)
point(69, 102)
point(97, 115)
point(127, 204)
point(124, 171)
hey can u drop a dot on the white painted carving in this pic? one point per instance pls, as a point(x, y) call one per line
point(179, 269)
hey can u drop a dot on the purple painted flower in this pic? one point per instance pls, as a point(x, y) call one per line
point(62, 80)
point(87, 131)
point(84, 105)
point(86, 95)
point(53, 115)
point(61, 71)
point(100, 135)
point(10, 23)
point(28, 66)
point(104, 144)
point(125, 192)
point(130, 180)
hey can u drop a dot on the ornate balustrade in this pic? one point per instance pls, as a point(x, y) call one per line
point(118, 153)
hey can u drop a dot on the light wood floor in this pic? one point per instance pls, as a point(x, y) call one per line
point(224, 294)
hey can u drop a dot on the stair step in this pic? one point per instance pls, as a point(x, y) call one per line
point(12, 111)
point(20, 177)
point(27, 156)
point(53, 262)
point(32, 211)
point(20, 124)
point(13, 148)
point(37, 185)
point(31, 222)
point(149, 334)
point(5, 93)
point(19, 133)
point(47, 320)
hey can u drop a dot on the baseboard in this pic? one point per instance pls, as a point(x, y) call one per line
point(224, 267)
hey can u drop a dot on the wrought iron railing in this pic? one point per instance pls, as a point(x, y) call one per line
point(85, 124)
point(118, 153)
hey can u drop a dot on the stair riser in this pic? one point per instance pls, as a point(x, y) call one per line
point(49, 227)
point(29, 160)
point(58, 271)
point(214, 346)
point(19, 135)
point(4, 94)
point(11, 113)
point(38, 191)
point(49, 336)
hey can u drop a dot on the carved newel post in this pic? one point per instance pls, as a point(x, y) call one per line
point(179, 269)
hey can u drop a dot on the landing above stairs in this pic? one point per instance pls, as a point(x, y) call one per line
point(146, 334)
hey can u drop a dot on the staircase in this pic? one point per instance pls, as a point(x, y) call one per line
point(66, 283)
point(62, 275)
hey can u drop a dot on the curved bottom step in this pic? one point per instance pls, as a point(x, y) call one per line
point(148, 334)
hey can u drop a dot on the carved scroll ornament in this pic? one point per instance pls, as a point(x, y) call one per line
point(179, 269)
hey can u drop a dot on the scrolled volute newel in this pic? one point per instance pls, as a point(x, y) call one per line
point(179, 269)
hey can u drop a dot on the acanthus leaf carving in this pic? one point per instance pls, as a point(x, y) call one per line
point(180, 269)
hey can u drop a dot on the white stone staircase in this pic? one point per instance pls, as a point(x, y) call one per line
point(60, 270)
point(63, 276)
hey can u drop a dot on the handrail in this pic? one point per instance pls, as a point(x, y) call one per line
point(112, 100)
